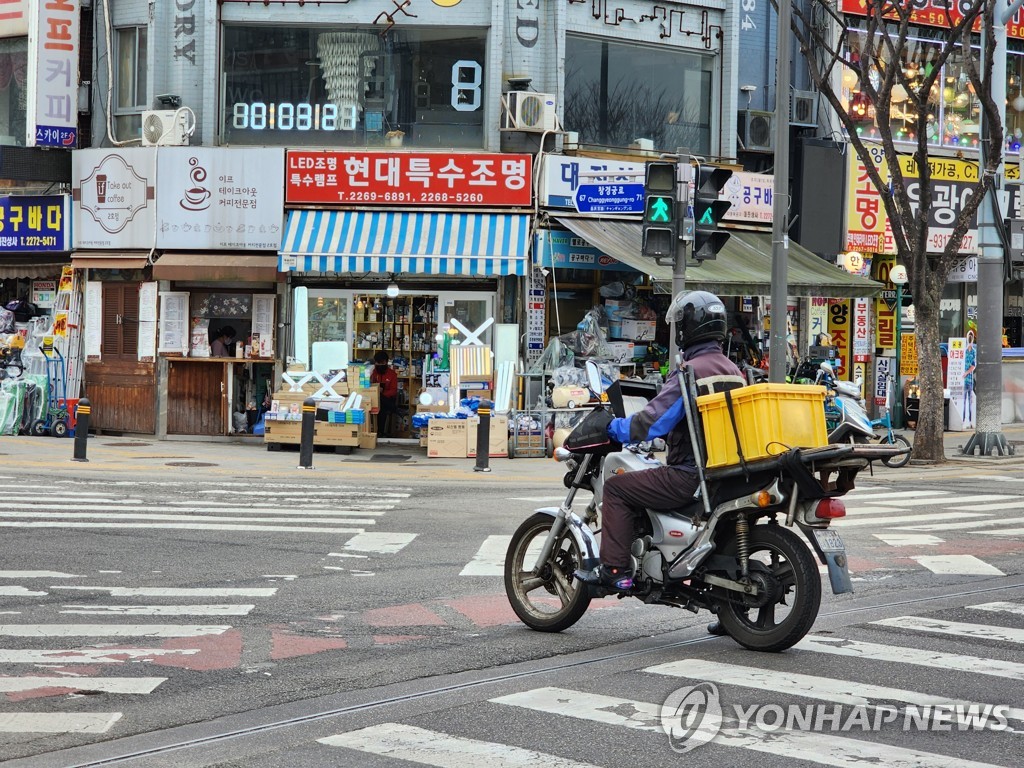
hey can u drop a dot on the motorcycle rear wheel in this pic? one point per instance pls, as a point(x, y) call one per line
point(897, 461)
point(549, 600)
point(780, 560)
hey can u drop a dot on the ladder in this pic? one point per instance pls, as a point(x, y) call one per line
point(67, 328)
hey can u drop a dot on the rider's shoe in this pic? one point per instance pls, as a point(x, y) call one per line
point(716, 628)
point(609, 577)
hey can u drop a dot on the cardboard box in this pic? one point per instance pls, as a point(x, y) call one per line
point(498, 443)
point(367, 440)
point(639, 330)
point(483, 394)
point(446, 439)
point(619, 351)
point(371, 396)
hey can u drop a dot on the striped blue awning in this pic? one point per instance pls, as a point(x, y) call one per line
point(470, 244)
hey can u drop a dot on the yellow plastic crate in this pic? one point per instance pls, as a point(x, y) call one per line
point(770, 419)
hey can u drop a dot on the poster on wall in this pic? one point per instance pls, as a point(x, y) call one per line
point(217, 198)
point(113, 193)
point(174, 322)
point(44, 293)
point(960, 385)
point(93, 320)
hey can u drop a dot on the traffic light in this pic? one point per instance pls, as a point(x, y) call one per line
point(708, 211)
point(660, 224)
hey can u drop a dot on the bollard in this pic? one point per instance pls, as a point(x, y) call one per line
point(81, 429)
point(483, 438)
point(306, 440)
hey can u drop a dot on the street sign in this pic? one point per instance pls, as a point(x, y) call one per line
point(610, 198)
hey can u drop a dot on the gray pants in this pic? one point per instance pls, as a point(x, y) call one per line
point(625, 495)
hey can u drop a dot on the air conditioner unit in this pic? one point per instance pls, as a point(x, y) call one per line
point(528, 111)
point(803, 109)
point(757, 130)
point(165, 128)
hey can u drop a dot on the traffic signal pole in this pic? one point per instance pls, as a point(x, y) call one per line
point(778, 342)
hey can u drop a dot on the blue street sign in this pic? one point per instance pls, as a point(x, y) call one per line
point(610, 198)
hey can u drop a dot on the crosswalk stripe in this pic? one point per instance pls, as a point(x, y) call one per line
point(1004, 532)
point(820, 748)
point(796, 684)
point(417, 745)
point(922, 500)
point(205, 518)
point(996, 506)
point(922, 657)
point(160, 610)
point(856, 494)
point(37, 575)
point(846, 522)
point(137, 685)
point(908, 539)
point(10, 591)
point(379, 542)
point(63, 722)
point(859, 511)
point(987, 522)
point(173, 526)
point(299, 493)
point(489, 559)
point(87, 655)
point(1015, 608)
point(956, 628)
point(957, 565)
point(175, 591)
point(110, 630)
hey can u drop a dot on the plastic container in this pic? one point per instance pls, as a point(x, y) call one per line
point(770, 419)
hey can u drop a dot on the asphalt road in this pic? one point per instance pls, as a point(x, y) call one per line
point(175, 604)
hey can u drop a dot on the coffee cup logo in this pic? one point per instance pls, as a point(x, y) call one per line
point(197, 197)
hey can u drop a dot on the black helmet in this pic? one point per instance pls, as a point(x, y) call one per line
point(699, 316)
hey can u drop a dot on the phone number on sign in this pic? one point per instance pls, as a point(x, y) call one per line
point(409, 197)
point(939, 240)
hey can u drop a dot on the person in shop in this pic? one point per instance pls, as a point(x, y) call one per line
point(701, 328)
point(384, 375)
point(221, 345)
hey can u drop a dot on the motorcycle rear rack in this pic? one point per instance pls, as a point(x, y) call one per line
point(826, 458)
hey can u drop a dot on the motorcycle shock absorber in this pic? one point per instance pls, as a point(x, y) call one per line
point(743, 544)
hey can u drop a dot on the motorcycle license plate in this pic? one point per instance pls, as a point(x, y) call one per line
point(830, 541)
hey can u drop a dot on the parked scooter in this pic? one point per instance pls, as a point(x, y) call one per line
point(845, 417)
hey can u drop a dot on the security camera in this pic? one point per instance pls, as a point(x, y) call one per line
point(169, 101)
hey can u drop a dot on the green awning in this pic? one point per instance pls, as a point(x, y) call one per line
point(743, 266)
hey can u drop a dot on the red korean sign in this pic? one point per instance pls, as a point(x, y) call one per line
point(408, 178)
point(934, 13)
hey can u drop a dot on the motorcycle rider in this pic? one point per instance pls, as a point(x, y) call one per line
point(701, 327)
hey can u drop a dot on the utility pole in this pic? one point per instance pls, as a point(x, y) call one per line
point(988, 375)
point(778, 343)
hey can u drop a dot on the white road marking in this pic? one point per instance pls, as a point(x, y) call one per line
point(807, 686)
point(346, 554)
point(139, 685)
point(537, 499)
point(996, 506)
point(1015, 608)
point(955, 628)
point(859, 511)
point(489, 559)
point(820, 748)
point(988, 522)
point(161, 610)
point(370, 494)
point(110, 630)
point(957, 565)
point(271, 509)
point(949, 503)
point(177, 591)
point(901, 494)
point(176, 526)
point(37, 575)
point(908, 539)
point(417, 745)
point(846, 522)
point(921, 657)
point(99, 515)
point(1006, 532)
point(87, 655)
point(379, 543)
point(19, 592)
point(63, 722)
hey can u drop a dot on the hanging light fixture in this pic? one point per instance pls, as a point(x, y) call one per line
point(392, 289)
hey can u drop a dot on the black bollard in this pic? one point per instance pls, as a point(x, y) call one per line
point(306, 440)
point(81, 429)
point(483, 438)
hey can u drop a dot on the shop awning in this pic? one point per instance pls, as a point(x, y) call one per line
point(216, 267)
point(109, 259)
point(743, 266)
point(469, 244)
point(15, 267)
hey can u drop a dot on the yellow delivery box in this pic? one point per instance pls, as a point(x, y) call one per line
point(770, 419)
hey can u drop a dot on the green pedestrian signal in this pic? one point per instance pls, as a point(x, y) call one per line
point(708, 211)
point(659, 209)
point(660, 227)
point(706, 218)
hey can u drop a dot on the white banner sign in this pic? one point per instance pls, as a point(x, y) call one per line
point(113, 191)
point(884, 367)
point(961, 397)
point(964, 271)
point(52, 110)
point(13, 18)
point(220, 198)
point(862, 335)
point(750, 195)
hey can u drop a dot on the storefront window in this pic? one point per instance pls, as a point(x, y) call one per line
point(332, 86)
point(616, 93)
point(13, 67)
point(328, 318)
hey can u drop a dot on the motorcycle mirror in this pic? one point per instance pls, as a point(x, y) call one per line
point(594, 378)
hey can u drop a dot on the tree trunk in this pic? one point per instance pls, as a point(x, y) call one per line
point(928, 443)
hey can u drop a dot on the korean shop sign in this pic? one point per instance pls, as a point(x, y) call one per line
point(13, 18)
point(113, 193)
point(408, 178)
point(35, 224)
point(935, 13)
point(52, 113)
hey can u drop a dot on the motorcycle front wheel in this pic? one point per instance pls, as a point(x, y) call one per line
point(548, 599)
point(786, 574)
point(898, 461)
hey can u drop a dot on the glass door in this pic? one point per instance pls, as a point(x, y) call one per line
point(470, 315)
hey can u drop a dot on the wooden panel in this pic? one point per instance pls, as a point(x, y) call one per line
point(195, 398)
point(123, 396)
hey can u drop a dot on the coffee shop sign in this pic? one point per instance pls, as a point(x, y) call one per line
point(114, 193)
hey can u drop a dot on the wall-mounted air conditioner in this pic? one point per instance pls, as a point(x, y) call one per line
point(528, 111)
point(757, 130)
point(803, 109)
point(165, 128)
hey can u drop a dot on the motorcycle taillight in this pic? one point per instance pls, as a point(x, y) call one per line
point(829, 509)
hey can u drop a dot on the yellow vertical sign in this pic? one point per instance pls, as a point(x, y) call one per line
point(839, 326)
point(908, 355)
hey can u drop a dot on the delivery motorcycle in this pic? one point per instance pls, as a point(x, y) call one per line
point(733, 550)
